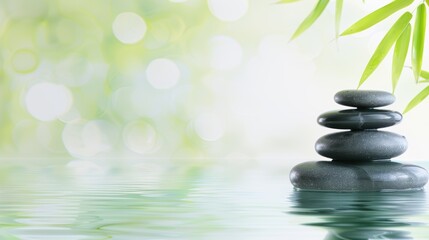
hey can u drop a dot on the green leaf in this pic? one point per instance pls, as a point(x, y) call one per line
point(417, 99)
point(399, 55)
point(310, 19)
point(385, 45)
point(376, 16)
point(418, 40)
point(338, 11)
point(424, 74)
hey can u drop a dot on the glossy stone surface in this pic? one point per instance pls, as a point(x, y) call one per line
point(363, 176)
point(359, 119)
point(364, 98)
point(361, 145)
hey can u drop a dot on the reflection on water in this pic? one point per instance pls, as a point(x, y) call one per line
point(363, 215)
point(150, 202)
point(86, 201)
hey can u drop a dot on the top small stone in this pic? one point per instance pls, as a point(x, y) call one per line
point(364, 98)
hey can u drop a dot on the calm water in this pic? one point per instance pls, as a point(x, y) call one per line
point(157, 202)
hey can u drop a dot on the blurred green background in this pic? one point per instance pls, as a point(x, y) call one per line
point(178, 80)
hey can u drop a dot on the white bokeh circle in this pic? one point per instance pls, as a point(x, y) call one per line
point(162, 73)
point(228, 10)
point(209, 127)
point(48, 101)
point(140, 137)
point(129, 27)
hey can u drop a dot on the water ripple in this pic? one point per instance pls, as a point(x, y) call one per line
point(197, 203)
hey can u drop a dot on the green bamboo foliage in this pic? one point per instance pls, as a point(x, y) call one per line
point(338, 12)
point(424, 76)
point(385, 45)
point(398, 35)
point(399, 55)
point(417, 99)
point(377, 16)
point(310, 19)
point(418, 41)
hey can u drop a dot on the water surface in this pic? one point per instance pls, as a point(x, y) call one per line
point(159, 202)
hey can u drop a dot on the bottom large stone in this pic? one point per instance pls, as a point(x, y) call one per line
point(365, 176)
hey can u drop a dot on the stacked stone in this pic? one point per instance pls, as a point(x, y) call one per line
point(364, 142)
point(360, 156)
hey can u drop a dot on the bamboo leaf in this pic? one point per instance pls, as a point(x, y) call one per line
point(310, 19)
point(418, 40)
point(417, 99)
point(376, 16)
point(424, 74)
point(399, 55)
point(385, 45)
point(427, 2)
point(338, 11)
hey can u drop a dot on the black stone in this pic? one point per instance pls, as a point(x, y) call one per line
point(361, 145)
point(364, 98)
point(362, 176)
point(359, 119)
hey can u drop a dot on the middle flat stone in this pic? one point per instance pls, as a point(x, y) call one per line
point(361, 145)
point(359, 119)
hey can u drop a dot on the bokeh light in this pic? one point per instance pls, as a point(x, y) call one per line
point(88, 139)
point(24, 61)
point(99, 135)
point(47, 101)
point(162, 73)
point(185, 79)
point(141, 137)
point(129, 27)
point(229, 11)
point(209, 126)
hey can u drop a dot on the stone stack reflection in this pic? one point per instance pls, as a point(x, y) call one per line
point(360, 156)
